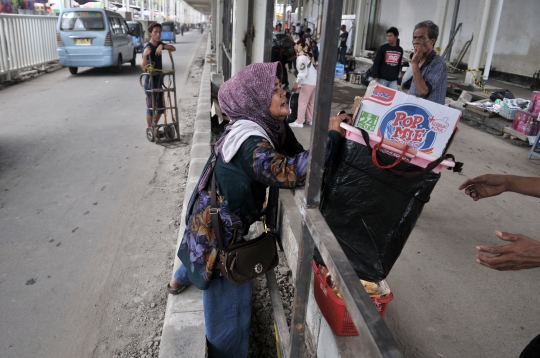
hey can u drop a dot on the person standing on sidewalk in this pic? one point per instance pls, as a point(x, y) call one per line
point(387, 62)
point(257, 150)
point(307, 79)
point(429, 69)
point(343, 36)
point(522, 252)
point(152, 56)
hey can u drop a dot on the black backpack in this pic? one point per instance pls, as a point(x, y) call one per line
point(284, 45)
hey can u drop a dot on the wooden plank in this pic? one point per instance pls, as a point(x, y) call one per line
point(280, 320)
point(516, 134)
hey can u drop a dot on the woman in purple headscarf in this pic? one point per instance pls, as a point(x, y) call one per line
point(257, 150)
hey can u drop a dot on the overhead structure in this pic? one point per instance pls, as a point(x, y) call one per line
point(202, 6)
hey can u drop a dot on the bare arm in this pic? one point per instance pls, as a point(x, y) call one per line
point(145, 55)
point(169, 47)
point(488, 185)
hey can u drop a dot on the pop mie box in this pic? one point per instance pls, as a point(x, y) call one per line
point(422, 125)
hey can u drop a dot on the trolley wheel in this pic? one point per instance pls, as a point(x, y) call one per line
point(134, 59)
point(73, 70)
point(159, 133)
point(150, 135)
point(170, 132)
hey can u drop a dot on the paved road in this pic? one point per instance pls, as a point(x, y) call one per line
point(74, 171)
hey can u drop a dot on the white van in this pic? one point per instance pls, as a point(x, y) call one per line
point(93, 38)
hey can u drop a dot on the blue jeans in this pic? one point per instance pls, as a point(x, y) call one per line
point(389, 84)
point(227, 316)
point(342, 55)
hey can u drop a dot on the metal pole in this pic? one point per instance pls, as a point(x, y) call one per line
point(323, 100)
point(268, 31)
point(317, 153)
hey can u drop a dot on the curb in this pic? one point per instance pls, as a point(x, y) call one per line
point(184, 332)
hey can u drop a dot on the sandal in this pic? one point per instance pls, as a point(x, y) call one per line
point(175, 291)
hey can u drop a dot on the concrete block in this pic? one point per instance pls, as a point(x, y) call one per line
point(196, 166)
point(184, 335)
point(203, 126)
point(189, 301)
point(203, 116)
point(201, 138)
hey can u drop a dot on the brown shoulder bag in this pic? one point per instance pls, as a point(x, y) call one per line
point(244, 261)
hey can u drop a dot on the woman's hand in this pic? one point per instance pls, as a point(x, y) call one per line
point(335, 122)
point(295, 87)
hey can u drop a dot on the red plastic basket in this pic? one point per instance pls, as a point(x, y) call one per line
point(333, 308)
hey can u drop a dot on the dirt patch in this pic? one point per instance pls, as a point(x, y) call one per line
point(136, 312)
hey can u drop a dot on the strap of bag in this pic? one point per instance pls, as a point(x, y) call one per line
point(214, 214)
point(376, 161)
point(458, 167)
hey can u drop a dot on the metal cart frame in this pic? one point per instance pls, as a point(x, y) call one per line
point(165, 132)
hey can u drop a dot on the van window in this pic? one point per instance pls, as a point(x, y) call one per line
point(125, 27)
point(166, 28)
point(115, 25)
point(82, 21)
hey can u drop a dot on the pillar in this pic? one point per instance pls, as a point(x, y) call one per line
point(259, 22)
point(478, 45)
point(440, 20)
point(360, 24)
point(240, 20)
point(218, 26)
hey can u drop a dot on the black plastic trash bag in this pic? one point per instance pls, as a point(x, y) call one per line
point(292, 98)
point(372, 211)
point(501, 95)
point(284, 45)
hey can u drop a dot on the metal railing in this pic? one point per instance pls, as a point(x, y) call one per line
point(26, 41)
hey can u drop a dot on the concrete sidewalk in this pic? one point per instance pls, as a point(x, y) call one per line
point(183, 328)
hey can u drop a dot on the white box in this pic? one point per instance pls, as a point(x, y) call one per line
point(422, 125)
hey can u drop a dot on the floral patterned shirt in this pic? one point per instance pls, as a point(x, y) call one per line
point(241, 192)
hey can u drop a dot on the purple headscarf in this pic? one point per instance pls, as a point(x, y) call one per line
point(248, 94)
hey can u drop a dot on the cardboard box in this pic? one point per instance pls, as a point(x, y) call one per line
point(408, 120)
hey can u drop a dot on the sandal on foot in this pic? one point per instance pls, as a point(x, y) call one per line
point(175, 291)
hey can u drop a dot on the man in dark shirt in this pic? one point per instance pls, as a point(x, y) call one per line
point(429, 69)
point(387, 62)
point(343, 45)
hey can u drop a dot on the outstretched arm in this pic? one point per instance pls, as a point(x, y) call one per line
point(488, 185)
point(521, 253)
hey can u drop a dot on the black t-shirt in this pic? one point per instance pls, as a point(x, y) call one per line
point(343, 37)
point(387, 62)
point(155, 60)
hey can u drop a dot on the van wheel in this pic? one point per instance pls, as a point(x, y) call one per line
point(73, 70)
point(118, 67)
point(133, 61)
